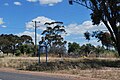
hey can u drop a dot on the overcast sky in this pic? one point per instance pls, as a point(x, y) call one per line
point(16, 17)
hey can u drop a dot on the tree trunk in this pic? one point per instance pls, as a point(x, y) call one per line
point(118, 48)
point(118, 43)
point(14, 50)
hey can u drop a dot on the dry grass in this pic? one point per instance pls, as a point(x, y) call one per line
point(103, 68)
point(109, 74)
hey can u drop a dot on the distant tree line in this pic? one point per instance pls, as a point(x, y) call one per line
point(23, 45)
point(89, 50)
point(10, 43)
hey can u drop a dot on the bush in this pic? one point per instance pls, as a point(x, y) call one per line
point(18, 52)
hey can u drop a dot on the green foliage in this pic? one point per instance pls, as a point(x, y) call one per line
point(26, 39)
point(18, 52)
point(73, 47)
point(26, 49)
point(10, 43)
point(103, 37)
point(53, 34)
point(87, 49)
point(87, 35)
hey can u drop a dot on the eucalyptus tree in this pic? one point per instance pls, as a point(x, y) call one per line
point(8, 42)
point(53, 35)
point(106, 11)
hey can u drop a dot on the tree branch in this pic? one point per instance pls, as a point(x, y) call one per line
point(111, 32)
point(83, 5)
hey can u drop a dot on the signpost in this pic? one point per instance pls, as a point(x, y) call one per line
point(43, 44)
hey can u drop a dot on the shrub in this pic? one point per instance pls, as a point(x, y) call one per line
point(18, 52)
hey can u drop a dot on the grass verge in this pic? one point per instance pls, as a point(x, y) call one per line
point(94, 68)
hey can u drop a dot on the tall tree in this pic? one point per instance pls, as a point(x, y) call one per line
point(107, 11)
point(53, 34)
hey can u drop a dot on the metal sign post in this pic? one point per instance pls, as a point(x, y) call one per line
point(39, 54)
point(42, 45)
point(46, 54)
